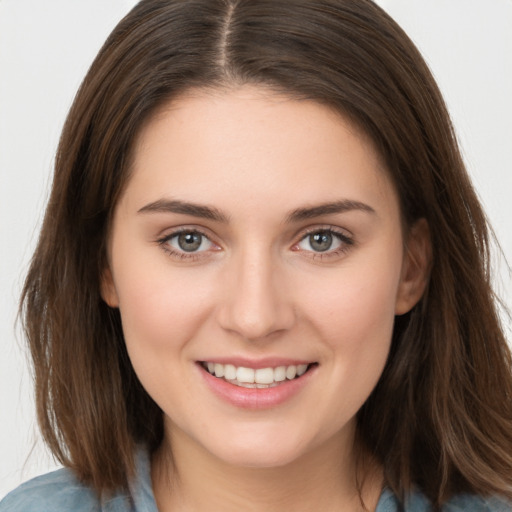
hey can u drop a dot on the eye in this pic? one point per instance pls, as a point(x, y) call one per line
point(326, 241)
point(319, 242)
point(186, 242)
point(189, 242)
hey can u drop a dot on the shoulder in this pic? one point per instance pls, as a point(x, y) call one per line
point(59, 491)
point(56, 491)
point(472, 503)
point(417, 502)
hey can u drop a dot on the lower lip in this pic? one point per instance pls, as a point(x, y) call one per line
point(256, 398)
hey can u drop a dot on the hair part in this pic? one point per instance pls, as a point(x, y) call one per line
point(440, 417)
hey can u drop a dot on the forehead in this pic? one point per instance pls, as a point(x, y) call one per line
point(245, 144)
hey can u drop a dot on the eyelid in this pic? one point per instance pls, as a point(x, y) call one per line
point(344, 236)
point(343, 233)
point(163, 240)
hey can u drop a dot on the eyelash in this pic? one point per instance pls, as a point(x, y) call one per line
point(182, 255)
point(346, 242)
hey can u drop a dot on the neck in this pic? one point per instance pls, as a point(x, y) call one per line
point(191, 479)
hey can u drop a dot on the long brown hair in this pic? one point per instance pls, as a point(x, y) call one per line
point(440, 417)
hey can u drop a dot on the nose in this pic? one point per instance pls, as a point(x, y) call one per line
point(255, 302)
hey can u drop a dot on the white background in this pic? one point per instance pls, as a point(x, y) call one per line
point(45, 50)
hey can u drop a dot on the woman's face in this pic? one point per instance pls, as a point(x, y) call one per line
point(259, 239)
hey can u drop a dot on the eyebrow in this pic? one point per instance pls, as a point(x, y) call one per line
point(210, 213)
point(345, 205)
point(185, 208)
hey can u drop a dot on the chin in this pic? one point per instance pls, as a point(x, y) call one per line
point(260, 450)
point(258, 459)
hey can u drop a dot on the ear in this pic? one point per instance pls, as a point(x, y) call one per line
point(108, 289)
point(415, 268)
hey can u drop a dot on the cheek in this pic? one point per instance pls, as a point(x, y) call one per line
point(355, 322)
point(354, 312)
point(357, 300)
point(160, 310)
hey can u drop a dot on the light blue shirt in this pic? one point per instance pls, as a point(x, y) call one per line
point(60, 491)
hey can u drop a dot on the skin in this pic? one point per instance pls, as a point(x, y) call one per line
point(258, 288)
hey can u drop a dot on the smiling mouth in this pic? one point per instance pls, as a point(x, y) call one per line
point(260, 378)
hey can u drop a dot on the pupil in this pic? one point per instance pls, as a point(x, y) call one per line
point(189, 241)
point(321, 241)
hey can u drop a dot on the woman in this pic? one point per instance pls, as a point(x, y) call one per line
point(258, 274)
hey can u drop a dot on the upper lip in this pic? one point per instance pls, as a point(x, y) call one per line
point(266, 362)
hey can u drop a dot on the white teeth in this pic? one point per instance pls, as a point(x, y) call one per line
point(219, 370)
point(244, 374)
point(301, 369)
point(280, 374)
point(260, 378)
point(249, 385)
point(229, 372)
point(291, 371)
point(264, 376)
